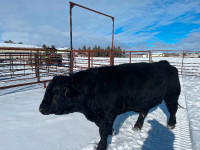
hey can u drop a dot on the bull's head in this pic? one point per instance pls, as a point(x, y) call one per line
point(59, 98)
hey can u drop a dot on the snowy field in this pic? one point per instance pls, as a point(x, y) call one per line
point(191, 88)
point(22, 127)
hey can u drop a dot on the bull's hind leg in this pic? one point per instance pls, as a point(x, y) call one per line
point(171, 102)
point(140, 121)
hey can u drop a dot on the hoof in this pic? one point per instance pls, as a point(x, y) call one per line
point(114, 132)
point(100, 148)
point(170, 127)
point(137, 127)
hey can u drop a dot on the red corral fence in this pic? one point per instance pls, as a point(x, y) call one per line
point(26, 66)
point(187, 62)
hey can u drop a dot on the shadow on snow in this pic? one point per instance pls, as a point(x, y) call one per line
point(159, 136)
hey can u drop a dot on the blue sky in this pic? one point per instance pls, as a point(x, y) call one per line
point(139, 25)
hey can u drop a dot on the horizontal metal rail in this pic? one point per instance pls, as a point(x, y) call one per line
point(34, 66)
point(26, 66)
point(24, 84)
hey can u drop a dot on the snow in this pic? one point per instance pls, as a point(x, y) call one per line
point(154, 134)
point(26, 46)
point(63, 48)
point(18, 45)
point(191, 89)
point(22, 127)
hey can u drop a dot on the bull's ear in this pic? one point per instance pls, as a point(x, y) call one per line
point(70, 92)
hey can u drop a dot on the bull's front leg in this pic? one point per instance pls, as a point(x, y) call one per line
point(105, 129)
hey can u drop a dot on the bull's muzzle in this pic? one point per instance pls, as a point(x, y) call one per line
point(43, 111)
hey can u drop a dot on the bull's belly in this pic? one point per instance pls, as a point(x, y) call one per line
point(142, 105)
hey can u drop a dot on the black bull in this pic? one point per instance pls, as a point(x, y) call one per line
point(105, 92)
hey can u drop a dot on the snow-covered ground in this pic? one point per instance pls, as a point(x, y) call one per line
point(22, 127)
point(191, 88)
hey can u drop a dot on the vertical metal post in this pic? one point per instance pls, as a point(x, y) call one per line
point(13, 65)
point(45, 85)
point(182, 63)
point(20, 59)
point(74, 59)
point(24, 63)
point(92, 59)
point(130, 57)
point(113, 19)
point(150, 57)
point(71, 5)
point(48, 62)
point(112, 50)
point(37, 66)
point(88, 59)
point(10, 66)
point(31, 60)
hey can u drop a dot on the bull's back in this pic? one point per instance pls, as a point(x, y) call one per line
point(136, 86)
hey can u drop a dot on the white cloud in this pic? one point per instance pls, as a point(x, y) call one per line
point(197, 22)
point(47, 21)
point(191, 42)
point(20, 36)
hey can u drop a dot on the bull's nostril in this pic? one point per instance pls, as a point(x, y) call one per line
point(44, 111)
point(41, 109)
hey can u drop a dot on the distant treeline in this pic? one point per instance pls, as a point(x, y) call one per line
point(47, 47)
point(118, 51)
point(10, 41)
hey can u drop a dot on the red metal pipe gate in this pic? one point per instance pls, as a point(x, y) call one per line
point(72, 4)
point(26, 66)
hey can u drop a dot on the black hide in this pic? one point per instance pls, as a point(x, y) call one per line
point(105, 92)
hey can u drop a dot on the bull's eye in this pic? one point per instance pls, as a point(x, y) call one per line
point(57, 89)
point(67, 91)
point(55, 102)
